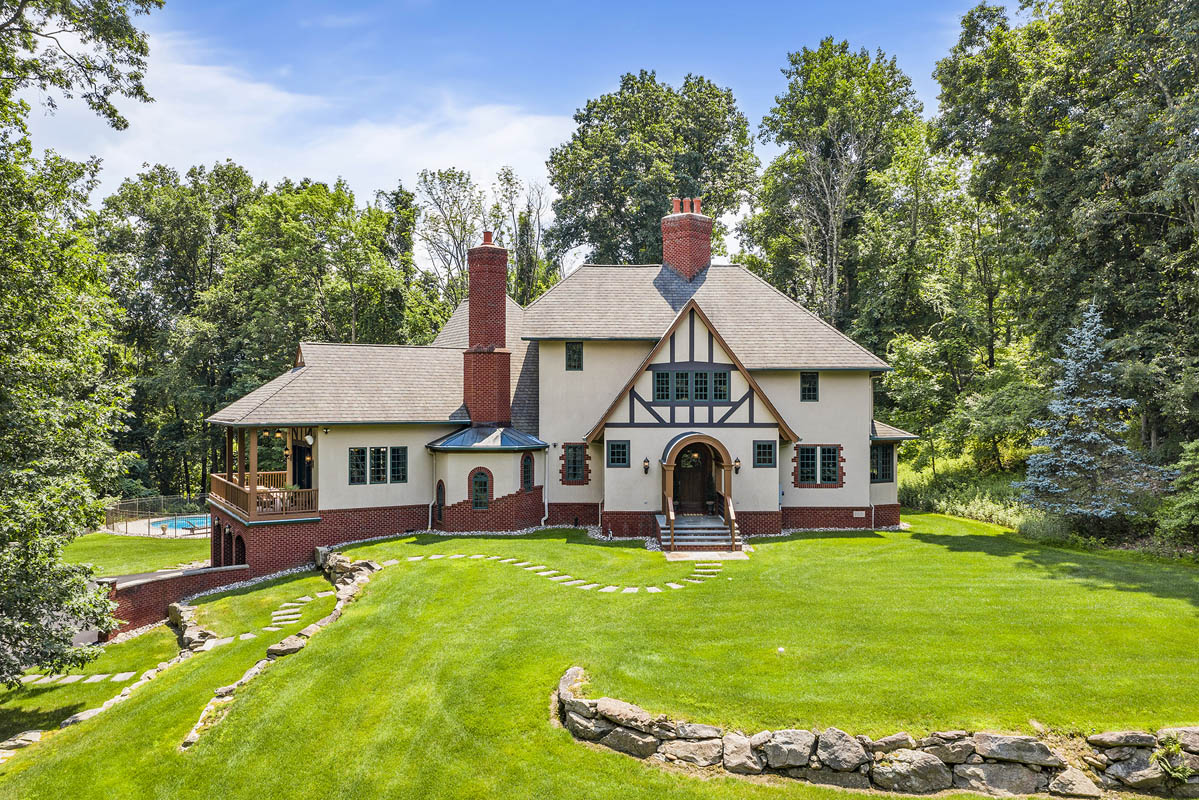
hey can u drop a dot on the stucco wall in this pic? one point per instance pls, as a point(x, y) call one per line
point(882, 494)
point(331, 471)
point(456, 468)
point(571, 402)
point(841, 416)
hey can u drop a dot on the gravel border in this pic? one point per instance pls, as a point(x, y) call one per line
point(133, 634)
point(309, 567)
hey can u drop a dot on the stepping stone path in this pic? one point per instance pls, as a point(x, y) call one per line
point(245, 636)
point(329, 593)
point(391, 562)
point(70, 679)
point(701, 571)
point(96, 678)
point(121, 677)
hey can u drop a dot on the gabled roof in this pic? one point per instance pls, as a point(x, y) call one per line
point(691, 305)
point(882, 432)
point(456, 334)
point(487, 437)
point(767, 329)
point(357, 383)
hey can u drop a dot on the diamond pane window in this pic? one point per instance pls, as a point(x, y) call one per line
point(399, 465)
point(574, 356)
point(378, 465)
point(357, 465)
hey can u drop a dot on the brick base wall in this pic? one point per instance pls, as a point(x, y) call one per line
point(144, 602)
point(511, 512)
point(629, 523)
point(759, 523)
point(565, 514)
point(279, 546)
point(886, 516)
point(825, 517)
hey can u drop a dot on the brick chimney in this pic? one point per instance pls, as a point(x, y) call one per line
point(687, 238)
point(486, 375)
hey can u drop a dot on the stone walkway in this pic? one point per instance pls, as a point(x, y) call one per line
point(702, 571)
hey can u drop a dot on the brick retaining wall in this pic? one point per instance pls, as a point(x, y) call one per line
point(145, 601)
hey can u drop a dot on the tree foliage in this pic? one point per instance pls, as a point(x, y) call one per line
point(637, 147)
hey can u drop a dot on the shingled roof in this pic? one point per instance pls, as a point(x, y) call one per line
point(767, 329)
point(357, 383)
point(882, 432)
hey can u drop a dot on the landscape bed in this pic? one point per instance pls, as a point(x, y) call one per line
point(434, 683)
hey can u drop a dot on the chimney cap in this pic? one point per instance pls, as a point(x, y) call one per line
point(486, 237)
point(674, 205)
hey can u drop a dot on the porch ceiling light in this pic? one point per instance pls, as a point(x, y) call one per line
point(278, 433)
point(737, 465)
point(645, 466)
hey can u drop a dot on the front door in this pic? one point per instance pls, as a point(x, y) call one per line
point(691, 471)
point(301, 466)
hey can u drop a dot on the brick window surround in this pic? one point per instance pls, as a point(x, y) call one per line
point(586, 464)
point(470, 486)
point(840, 468)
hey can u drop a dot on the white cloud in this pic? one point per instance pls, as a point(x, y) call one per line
point(205, 112)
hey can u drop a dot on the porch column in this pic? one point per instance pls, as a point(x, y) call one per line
point(241, 457)
point(288, 455)
point(228, 454)
point(252, 486)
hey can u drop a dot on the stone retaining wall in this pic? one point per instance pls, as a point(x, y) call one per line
point(988, 763)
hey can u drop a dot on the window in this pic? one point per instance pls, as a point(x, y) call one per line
point(720, 386)
point(378, 465)
point(764, 453)
point(807, 464)
point(480, 496)
point(618, 453)
point(682, 386)
point(399, 465)
point(830, 466)
point(574, 356)
point(661, 387)
point(809, 387)
point(357, 465)
point(699, 386)
point(574, 463)
point(440, 499)
point(526, 471)
point(882, 463)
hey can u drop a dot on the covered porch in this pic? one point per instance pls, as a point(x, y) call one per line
point(697, 495)
point(256, 495)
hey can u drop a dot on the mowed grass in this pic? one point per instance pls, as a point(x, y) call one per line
point(110, 554)
point(436, 682)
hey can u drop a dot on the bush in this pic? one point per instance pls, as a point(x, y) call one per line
point(1178, 515)
point(960, 489)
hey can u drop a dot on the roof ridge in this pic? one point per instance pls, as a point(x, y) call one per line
point(808, 311)
point(374, 344)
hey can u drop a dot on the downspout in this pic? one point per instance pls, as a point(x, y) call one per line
point(545, 484)
point(434, 487)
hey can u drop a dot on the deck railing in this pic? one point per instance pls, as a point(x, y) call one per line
point(264, 501)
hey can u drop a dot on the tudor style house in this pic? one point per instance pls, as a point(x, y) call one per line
point(686, 400)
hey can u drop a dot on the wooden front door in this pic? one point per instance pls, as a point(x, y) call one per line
point(301, 466)
point(691, 472)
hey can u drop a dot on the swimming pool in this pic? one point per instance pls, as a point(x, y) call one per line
point(181, 524)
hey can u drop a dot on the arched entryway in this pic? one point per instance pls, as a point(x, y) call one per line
point(227, 553)
point(239, 550)
point(696, 474)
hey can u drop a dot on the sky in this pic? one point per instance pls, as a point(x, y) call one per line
point(373, 92)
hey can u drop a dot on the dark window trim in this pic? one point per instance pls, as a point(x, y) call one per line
point(819, 483)
point(803, 399)
point(370, 467)
point(586, 465)
point(628, 454)
point(527, 485)
point(393, 451)
point(728, 387)
point(569, 347)
point(365, 467)
point(774, 458)
point(876, 450)
point(665, 395)
point(475, 474)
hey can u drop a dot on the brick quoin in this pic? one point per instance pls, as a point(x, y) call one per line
point(565, 514)
point(586, 465)
point(486, 373)
point(687, 239)
point(840, 468)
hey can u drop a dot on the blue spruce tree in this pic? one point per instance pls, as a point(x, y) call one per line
point(1088, 473)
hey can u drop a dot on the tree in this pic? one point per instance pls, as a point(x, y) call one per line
point(519, 215)
point(837, 121)
point(920, 395)
point(59, 406)
point(87, 46)
point(633, 150)
point(1178, 515)
point(452, 222)
point(1087, 474)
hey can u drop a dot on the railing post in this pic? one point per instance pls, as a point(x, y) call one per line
point(252, 486)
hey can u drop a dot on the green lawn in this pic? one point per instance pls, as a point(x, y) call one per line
point(436, 682)
point(110, 554)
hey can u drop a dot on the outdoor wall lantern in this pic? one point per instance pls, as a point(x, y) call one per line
point(308, 458)
point(326, 430)
point(737, 465)
point(278, 433)
point(287, 452)
point(645, 466)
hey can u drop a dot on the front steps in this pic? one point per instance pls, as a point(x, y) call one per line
point(696, 532)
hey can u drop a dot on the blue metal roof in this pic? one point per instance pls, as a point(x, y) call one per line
point(487, 437)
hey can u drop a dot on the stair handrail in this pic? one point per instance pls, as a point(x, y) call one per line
point(668, 509)
point(730, 517)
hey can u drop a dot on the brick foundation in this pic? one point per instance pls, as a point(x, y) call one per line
point(629, 523)
point(759, 523)
point(566, 514)
point(804, 517)
point(145, 602)
point(886, 516)
point(512, 512)
point(279, 546)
